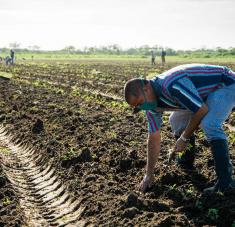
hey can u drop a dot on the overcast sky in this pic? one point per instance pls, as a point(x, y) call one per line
point(179, 24)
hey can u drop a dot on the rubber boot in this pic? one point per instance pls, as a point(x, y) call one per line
point(186, 158)
point(223, 167)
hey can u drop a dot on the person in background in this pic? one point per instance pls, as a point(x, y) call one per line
point(12, 54)
point(163, 56)
point(153, 58)
point(197, 94)
point(8, 60)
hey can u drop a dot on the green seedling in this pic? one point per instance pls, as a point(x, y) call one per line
point(5, 150)
point(70, 154)
point(231, 137)
point(200, 134)
point(172, 153)
point(213, 214)
point(199, 205)
point(6, 201)
point(190, 191)
point(172, 186)
point(111, 135)
point(220, 193)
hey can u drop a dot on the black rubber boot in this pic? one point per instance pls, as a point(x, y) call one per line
point(223, 167)
point(186, 158)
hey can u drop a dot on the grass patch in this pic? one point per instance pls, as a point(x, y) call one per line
point(6, 75)
point(5, 150)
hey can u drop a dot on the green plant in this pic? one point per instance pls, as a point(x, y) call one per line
point(111, 135)
point(172, 186)
point(6, 201)
point(190, 191)
point(200, 134)
point(180, 154)
point(220, 193)
point(213, 214)
point(199, 205)
point(5, 150)
point(70, 154)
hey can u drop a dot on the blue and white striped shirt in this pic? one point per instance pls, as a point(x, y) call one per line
point(186, 87)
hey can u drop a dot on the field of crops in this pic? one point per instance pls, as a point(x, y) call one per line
point(73, 154)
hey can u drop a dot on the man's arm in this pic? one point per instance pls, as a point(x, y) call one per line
point(195, 121)
point(192, 126)
point(153, 151)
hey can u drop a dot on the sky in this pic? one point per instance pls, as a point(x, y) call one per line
point(178, 24)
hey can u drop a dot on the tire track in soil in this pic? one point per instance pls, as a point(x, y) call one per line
point(42, 196)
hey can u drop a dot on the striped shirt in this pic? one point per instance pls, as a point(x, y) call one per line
point(186, 87)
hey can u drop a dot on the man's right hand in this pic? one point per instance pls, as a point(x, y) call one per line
point(146, 183)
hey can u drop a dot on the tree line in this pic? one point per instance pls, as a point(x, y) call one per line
point(117, 50)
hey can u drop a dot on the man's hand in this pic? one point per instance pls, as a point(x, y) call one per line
point(146, 183)
point(180, 145)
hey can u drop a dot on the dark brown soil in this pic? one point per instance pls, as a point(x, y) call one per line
point(98, 147)
point(10, 212)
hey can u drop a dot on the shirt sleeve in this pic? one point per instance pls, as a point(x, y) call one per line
point(229, 76)
point(184, 91)
point(154, 121)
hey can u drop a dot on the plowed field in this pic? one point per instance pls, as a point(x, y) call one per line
point(73, 154)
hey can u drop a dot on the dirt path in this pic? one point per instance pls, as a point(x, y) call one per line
point(43, 197)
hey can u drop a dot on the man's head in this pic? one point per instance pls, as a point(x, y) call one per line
point(140, 94)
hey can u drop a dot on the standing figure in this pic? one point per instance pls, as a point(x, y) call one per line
point(153, 58)
point(12, 54)
point(163, 56)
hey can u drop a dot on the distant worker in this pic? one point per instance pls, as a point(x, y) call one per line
point(8, 60)
point(12, 54)
point(163, 56)
point(153, 58)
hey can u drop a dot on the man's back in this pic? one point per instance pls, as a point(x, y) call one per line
point(211, 74)
point(194, 81)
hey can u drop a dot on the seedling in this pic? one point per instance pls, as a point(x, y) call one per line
point(70, 154)
point(6, 201)
point(111, 135)
point(200, 134)
point(199, 205)
point(190, 191)
point(172, 186)
point(5, 150)
point(213, 214)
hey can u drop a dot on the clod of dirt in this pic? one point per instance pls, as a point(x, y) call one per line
point(170, 178)
point(125, 164)
point(85, 155)
point(38, 126)
point(132, 200)
point(130, 212)
point(15, 107)
point(90, 178)
point(139, 163)
point(2, 181)
point(133, 154)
